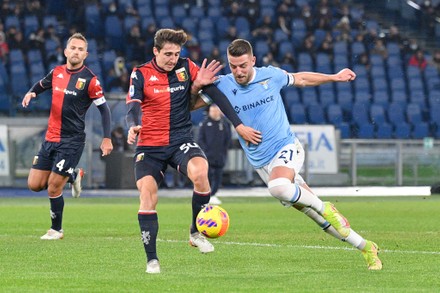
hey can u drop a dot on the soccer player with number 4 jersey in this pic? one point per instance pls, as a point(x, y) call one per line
point(74, 88)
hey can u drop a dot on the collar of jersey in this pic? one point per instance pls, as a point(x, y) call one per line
point(157, 66)
point(74, 70)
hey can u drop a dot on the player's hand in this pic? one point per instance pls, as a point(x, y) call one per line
point(207, 73)
point(132, 134)
point(106, 146)
point(345, 75)
point(249, 134)
point(27, 99)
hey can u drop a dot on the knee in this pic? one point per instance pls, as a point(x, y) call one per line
point(35, 187)
point(283, 189)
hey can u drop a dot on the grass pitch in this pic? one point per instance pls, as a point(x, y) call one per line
point(268, 248)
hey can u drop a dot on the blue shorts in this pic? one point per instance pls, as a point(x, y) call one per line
point(153, 161)
point(59, 157)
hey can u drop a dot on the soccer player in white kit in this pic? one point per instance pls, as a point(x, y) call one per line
point(254, 92)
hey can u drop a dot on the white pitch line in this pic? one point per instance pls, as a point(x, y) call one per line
point(306, 246)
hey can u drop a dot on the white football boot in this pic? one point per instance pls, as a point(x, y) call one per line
point(53, 235)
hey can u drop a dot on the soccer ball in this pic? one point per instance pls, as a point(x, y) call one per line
point(212, 221)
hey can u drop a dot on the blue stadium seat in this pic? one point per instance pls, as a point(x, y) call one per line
point(396, 114)
point(114, 32)
point(316, 114)
point(222, 25)
point(16, 56)
point(12, 20)
point(377, 114)
point(414, 114)
point(378, 72)
point(399, 97)
point(377, 61)
point(290, 96)
point(335, 115)
point(394, 63)
point(398, 84)
point(393, 48)
point(402, 131)
point(285, 47)
point(189, 24)
point(340, 61)
point(178, 12)
point(94, 25)
point(166, 22)
point(280, 36)
point(129, 22)
point(381, 98)
point(50, 20)
point(297, 114)
point(362, 97)
point(357, 48)
point(108, 59)
point(196, 12)
point(420, 130)
point(345, 100)
point(419, 99)
point(365, 131)
point(214, 13)
point(243, 27)
point(19, 72)
point(30, 24)
point(145, 12)
point(326, 97)
point(340, 48)
point(384, 131)
point(309, 96)
point(360, 114)
point(261, 48)
point(161, 11)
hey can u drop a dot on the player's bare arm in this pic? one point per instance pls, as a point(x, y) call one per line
point(27, 99)
point(303, 79)
point(249, 134)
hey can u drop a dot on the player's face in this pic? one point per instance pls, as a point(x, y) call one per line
point(167, 57)
point(242, 68)
point(76, 53)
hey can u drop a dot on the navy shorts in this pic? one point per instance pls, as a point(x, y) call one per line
point(153, 161)
point(59, 157)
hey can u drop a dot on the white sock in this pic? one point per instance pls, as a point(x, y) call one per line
point(318, 219)
point(355, 240)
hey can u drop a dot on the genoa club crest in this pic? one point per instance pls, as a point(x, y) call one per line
point(181, 74)
point(80, 83)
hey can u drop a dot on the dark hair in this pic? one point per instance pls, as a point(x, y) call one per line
point(240, 47)
point(167, 35)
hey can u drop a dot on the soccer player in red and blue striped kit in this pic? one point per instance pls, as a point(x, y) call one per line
point(74, 88)
point(163, 89)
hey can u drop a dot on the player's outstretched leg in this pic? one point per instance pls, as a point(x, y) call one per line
point(323, 213)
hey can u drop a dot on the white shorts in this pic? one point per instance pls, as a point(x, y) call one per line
point(291, 156)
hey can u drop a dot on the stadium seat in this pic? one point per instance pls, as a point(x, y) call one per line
point(380, 84)
point(309, 96)
point(94, 25)
point(420, 130)
point(365, 131)
point(16, 56)
point(377, 114)
point(243, 26)
point(340, 48)
point(340, 62)
point(381, 98)
point(360, 114)
point(161, 11)
point(335, 115)
point(345, 100)
point(414, 114)
point(316, 114)
point(402, 131)
point(384, 131)
point(297, 114)
point(196, 12)
point(30, 24)
point(398, 84)
point(222, 25)
point(399, 97)
point(285, 47)
point(393, 48)
point(395, 113)
point(214, 13)
point(326, 97)
point(290, 96)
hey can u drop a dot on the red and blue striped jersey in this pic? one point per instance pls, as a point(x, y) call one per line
point(73, 91)
point(165, 100)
